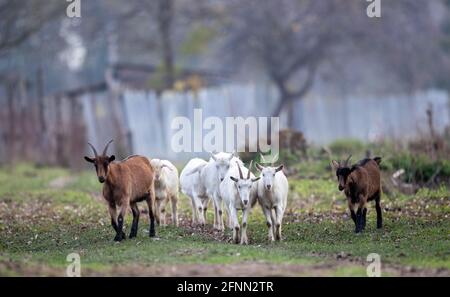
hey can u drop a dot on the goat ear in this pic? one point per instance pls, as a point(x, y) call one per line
point(279, 168)
point(234, 179)
point(112, 158)
point(335, 164)
point(377, 159)
point(255, 179)
point(90, 160)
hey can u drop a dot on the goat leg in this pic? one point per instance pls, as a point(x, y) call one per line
point(113, 214)
point(359, 216)
point(279, 216)
point(158, 211)
point(379, 215)
point(151, 211)
point(353, 215)
point(163, 210)
point(244, 238)
point(134, 226)
point(117, 225)
point(236, 227)
point(364, 218)
point(174, 200)
point(268, 214)
point(120, 235)
point(205, 208)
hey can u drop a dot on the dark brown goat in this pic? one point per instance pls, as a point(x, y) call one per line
point(362, 183)
point(125, 183)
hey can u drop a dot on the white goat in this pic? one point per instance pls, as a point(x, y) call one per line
point(272, 196)
point(239, 193)
point(166, 188)
point(211, 175)
point(192, 186)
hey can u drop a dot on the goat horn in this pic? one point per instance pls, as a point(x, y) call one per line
point(259, 167)
point(348, 159)
point(249, 168)
point(241, 176)
point(262, 158)
point(106, 147)
point(93, 148)
point(274, 158)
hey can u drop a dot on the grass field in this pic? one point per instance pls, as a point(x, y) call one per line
point(48, 213)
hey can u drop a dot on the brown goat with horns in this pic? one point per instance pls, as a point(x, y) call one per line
point(125, 183)
point(361, 184)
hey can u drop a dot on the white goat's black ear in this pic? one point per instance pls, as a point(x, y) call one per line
point(112, 158)
point(335, 164)
point(90, 160)
point(279, 168)
point(255, 179)
point(234, 179)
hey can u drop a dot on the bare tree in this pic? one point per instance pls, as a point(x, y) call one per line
point(292, 39)
point(19, 20)
point(288, 38)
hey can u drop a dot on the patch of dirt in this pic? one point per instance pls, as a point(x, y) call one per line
point(258, 269)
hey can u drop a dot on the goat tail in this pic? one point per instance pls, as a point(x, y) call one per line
point(378, 160)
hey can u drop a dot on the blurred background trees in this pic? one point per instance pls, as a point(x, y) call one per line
point(329, 48)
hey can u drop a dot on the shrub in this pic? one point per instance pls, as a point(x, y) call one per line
point(346, 147)
point(419, 168)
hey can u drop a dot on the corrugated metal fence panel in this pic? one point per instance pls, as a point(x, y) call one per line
point(321, 119)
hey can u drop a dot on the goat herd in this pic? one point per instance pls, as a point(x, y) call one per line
point(226, 181)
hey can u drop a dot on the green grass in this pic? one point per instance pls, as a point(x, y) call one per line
point(40, 224)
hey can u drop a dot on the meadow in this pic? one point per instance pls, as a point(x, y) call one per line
point(47, 213)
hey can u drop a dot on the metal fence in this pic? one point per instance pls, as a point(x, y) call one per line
point(148, 117)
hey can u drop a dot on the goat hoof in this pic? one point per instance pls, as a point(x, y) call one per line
point(152, 233)
point(119, 237)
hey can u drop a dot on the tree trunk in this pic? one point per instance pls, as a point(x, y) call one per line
point(25, 139)
point(165, 18)
point(59, 137)
point(43, 145)
point(285, 103)
point(11, 132)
